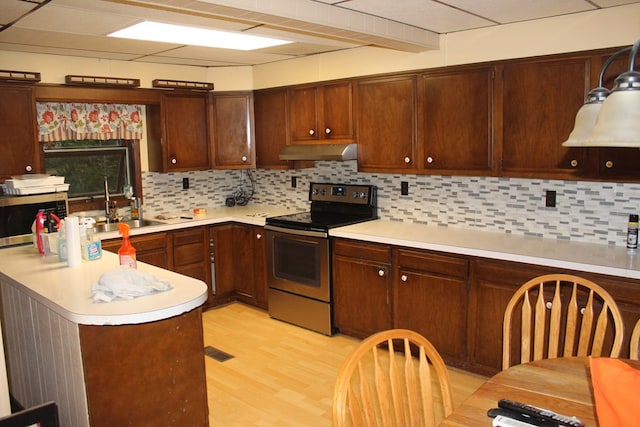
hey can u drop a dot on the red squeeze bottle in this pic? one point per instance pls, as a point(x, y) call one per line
point(126, 253)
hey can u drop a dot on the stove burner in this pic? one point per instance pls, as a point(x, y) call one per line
point(332, 205)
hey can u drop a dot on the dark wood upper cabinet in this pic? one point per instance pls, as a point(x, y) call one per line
point(321, 113)
point(271, 128)
point(18, 142)
point(456, 121)
point(232, 130)
point(539, 102)
point(386, 124)
point(178, 138)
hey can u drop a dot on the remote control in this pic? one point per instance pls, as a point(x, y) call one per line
point(502, 421)
point(540, 414)
point(519, 416)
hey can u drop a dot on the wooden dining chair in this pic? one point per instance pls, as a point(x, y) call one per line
point(561, 315)
point(382, 383)
point(634, 348)
point(43, 415)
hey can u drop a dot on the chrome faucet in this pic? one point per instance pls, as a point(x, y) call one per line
point(110, 210)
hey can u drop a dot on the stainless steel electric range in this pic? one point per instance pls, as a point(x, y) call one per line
point(299, 253)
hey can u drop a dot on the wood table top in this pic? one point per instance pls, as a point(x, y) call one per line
point(562, 385)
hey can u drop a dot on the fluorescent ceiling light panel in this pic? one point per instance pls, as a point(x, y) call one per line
point(180, 34)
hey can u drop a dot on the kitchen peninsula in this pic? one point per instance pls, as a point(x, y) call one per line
point(127, 362)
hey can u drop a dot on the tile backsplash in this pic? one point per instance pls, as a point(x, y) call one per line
point(594, 212)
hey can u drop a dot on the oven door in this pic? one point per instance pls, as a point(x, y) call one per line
point(298, 262)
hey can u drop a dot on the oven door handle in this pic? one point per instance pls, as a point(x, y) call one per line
point(306, 233)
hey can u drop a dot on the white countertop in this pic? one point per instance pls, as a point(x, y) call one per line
point(593, 258)
point(67, 290)
point(588, 257)
point(253, 214)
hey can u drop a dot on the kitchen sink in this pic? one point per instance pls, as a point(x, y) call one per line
point(136, 223)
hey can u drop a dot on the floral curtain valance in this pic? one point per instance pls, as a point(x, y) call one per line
point(62, 121)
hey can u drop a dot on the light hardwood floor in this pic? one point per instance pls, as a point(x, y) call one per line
point(280, 374)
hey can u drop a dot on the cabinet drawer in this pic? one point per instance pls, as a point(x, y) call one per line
point(188, 254)
point(433, 263)
point(145, 242)
point(195, 235)
point(370, 251)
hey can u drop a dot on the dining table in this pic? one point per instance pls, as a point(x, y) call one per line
point(562, 385)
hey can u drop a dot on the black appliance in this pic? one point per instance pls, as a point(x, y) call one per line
point(299, 253)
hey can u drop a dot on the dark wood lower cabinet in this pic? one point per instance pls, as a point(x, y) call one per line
point(153, 248)
point(361, 287)
point(430, 296)
point(456, 301)
point(149, 374)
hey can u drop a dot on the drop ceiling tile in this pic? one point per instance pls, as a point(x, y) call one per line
point(10, 10)
point(427, 15)
point(506, 11)
point(106, 45)
point(12, 47)
point(612, 3)
point(223, 55)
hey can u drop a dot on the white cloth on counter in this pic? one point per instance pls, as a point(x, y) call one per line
point(126, 283)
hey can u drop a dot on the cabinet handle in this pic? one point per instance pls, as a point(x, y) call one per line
point(327, 131)
point(429, 159)
point(381, 272)
point(244, 158)
point(407, 160)
point(174, 161)
point(549, 304)
point(608, 164)
point(574, 163)
point(28, 168)
point(258, 236)
point(404, 277)
point(312, 132)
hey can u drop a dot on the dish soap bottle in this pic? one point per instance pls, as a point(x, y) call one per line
point(126, 253)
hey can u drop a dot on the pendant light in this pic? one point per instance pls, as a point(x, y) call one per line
point(611, 118)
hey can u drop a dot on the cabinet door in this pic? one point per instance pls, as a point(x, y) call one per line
point(457, 121)
point(259, 267)
point(337, 112)
point(243, 262)
point(184, 144)
point(18, 140)
point(303, 113)
point(431, 297)
point(361, 288)
point(224, 264)
point(270, 108)
point(492, 286)
point(539, 105)
point(232, 129)
point(386, 124)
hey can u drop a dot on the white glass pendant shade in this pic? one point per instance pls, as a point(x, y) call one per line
point(585, 121)
point(618, 124)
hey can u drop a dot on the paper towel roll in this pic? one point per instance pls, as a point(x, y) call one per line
point(72, 228)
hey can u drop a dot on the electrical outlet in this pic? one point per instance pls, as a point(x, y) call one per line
point(550, 199)
point(404, 188)
point(294, 181)
point(185, 183)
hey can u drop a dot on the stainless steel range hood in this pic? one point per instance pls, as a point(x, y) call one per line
point(319, 152)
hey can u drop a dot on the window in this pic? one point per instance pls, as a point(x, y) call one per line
point(85, 163)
